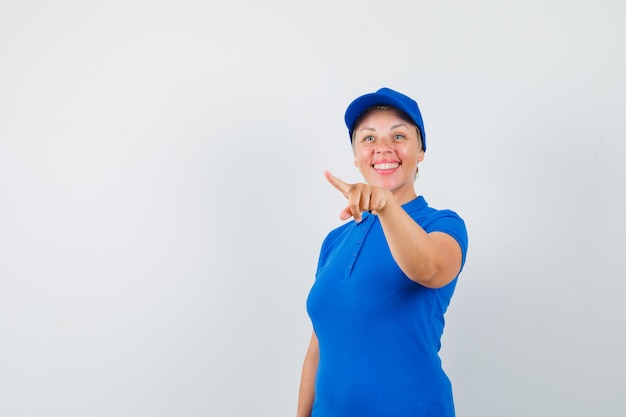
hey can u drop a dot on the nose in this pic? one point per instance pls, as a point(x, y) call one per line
point(384, 144)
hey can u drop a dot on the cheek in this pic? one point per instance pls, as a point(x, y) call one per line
point(408, 154)
point(360, 157)
point(412, 153)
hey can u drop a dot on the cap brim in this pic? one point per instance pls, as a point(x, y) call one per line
point(359, 105)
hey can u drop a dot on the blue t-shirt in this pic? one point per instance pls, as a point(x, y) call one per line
point(379, 332)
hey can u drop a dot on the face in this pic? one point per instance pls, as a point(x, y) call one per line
point(387, 151)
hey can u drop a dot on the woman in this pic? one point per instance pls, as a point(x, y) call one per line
point(384, 280)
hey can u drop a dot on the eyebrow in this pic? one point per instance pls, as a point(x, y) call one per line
point(391, 128)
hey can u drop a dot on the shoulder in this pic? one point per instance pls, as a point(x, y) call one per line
point(431, 218)
point(439, 220)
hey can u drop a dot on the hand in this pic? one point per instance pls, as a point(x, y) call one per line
point(361, 197)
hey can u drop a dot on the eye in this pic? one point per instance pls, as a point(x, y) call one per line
point(368, 139)
point(398, 136)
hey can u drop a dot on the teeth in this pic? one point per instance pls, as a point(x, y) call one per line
point(387, 166)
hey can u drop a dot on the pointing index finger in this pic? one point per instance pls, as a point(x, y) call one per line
point(341, 186)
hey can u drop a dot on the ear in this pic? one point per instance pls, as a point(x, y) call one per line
point(356, 162)
point(420, 156)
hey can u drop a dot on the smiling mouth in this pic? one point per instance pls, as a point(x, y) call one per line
point(387, 165)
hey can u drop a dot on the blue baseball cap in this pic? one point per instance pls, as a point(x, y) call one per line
point(388, 97)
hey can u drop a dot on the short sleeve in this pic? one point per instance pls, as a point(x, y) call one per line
point(449, 222)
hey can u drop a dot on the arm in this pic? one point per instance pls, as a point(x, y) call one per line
point(307, 382)
point(431, 259)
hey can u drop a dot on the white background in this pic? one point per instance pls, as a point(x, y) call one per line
point(162, 201)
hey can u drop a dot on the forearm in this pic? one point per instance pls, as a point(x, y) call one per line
point(432, 260)
point(306, 394)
